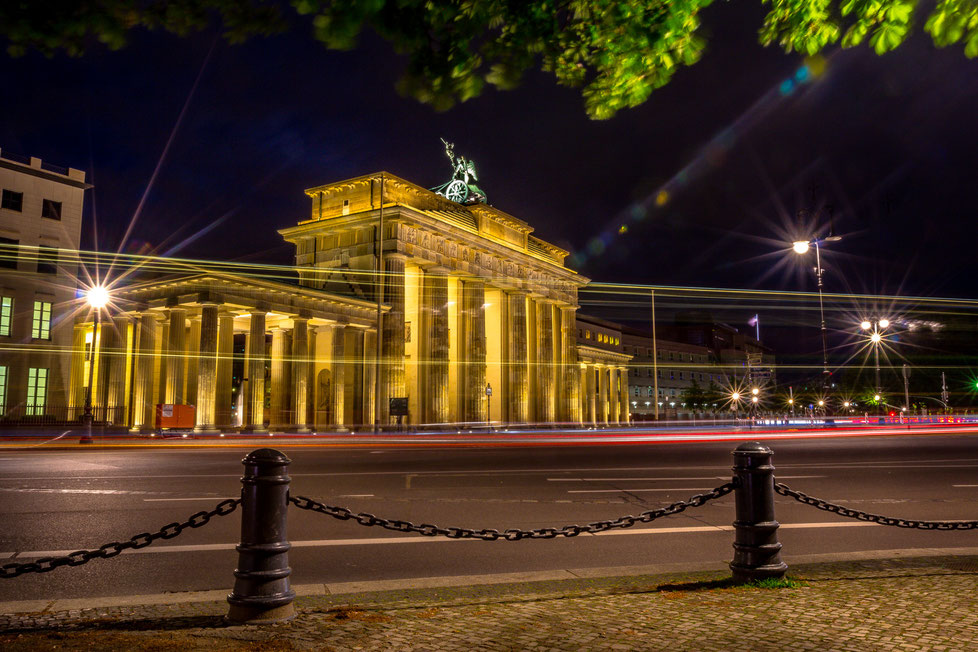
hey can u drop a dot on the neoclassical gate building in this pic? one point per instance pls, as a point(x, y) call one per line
point(477, 324)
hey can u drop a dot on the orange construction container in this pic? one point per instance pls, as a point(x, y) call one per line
point(175, 417)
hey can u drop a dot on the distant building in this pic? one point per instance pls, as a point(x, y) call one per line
point(740, 356)
point(604, 371)
point(675, 365)
point(40, 227)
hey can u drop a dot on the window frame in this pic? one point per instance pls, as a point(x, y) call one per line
point(6, 316)
point(41, 320)
point(53, 203)
point(35, 408)
point(6, 198)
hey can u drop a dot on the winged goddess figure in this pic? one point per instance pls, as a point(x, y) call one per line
point(461, 189)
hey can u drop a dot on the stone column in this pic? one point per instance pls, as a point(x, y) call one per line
point(434, 357)
point(175, 352)
point(116, 397)
point(279, 394)
point(225, 359)
point(338, 363)
point(570, 372)
point(368, 362)
point(76, 382)
point(207, 341)
point(591, 395)
point(193, 353)
point(613, 395)
point(105, 339)
point(143, 394)
point(474, 350)
point(624, 416)
point(355, 375)
point(311, 399)
point(392, 382)
point(255, 370)
point(300, 372)
point(545, 362)
point(517, 358)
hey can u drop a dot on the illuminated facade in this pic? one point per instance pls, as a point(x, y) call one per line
point(471, 301)
point(475, 301)
point(40, 226)
point(604, 368)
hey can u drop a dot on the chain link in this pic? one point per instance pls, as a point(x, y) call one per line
point(141, 540)
point(784, 490)
point(428, 530)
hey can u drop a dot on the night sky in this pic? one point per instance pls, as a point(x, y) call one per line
point(886, 143)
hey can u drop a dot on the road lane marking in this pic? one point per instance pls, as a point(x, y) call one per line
point(317, 543)
point(964, 485)
point(714, 477)
point(105, 492)
point(355, 496)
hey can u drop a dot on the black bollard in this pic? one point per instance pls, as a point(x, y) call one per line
point(261, 587)
point(757, 551)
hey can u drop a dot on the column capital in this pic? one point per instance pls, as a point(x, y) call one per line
point(438, 270)
point(395, 255)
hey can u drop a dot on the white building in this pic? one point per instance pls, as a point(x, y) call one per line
point(40, 227)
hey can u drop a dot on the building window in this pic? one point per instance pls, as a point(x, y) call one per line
point(13, 201)
point(680, 375)
point(37, 390)
point(8, 253)
point(47, 260)
point(51, 209)
point(672, 375)
point(3, 389)
point(41, 326)
point(6, 310)
point(637, 391)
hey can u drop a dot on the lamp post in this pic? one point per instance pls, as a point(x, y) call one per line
point(802, 247)
point(97, 297)
point(876, 338)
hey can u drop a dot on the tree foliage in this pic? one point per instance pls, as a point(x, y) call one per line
point(616, 51)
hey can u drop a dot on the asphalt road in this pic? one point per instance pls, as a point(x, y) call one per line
point(63, 500)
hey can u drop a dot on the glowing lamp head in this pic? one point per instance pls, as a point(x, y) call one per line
point(846, 404)
point(865, 325)
point(735, 396)
point(875, 338)
point(755, 391)
point(800, 246)
point(821, 403)
point(791, 401)
point(876, 397)
point(97, 296)
point(753, 399)
point(884, 323)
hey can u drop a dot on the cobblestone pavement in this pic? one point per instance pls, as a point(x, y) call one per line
point(923, 603)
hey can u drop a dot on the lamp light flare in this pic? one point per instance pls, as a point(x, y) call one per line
point(865, 325)
point(97, 296)
point(876, 397)
point(875, 338)
point(884, 323)
point(735, 396)
point(753, 399)
point(800, 246)
point(755, 391)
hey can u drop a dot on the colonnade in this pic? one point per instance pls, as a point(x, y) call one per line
point(318, 374)
point(605, 399)
point(469, 334)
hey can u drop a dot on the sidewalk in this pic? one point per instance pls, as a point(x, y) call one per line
point(900, 602)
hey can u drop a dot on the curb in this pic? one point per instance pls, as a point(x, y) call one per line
point(377, 586)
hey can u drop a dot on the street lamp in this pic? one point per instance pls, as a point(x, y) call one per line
point(97, 298)
point(876, 338)
point(801, 247)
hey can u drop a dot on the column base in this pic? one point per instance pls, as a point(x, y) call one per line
point(249, 615)
point(302, 431)
point(254, 430)
point(206, 430)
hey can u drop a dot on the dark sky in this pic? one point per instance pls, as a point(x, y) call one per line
point(888, 142)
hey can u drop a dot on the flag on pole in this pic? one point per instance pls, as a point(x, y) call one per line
point(756, 323)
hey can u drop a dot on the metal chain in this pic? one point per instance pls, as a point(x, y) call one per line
point(784, 490)
point(428, 530)
point(79, 557)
